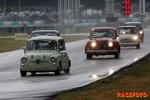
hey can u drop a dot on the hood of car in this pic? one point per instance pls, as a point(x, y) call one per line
point(103, 39)
point(40, 54)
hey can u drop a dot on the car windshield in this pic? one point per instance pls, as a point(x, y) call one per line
point(42, 45)
point(127, 31)
point(103, 33)
point(137, 25)
point(44, 33)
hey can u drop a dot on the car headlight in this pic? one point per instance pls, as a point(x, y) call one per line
point(141, 32)
point(53, 59)
point(123, 32)
point(135, 37)
point(110, 44)
point(93, 44)
point(24, 60)
point(117, 38)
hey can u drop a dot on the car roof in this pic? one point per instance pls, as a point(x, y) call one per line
point(103, 28)
point(132, 22)
point(127, 26)
point(45, 31)
point(56, 38)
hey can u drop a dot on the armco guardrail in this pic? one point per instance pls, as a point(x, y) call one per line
point(78, 28)
point(26, 29)
point(86, 28)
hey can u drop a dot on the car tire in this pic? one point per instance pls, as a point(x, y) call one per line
point(138, 46)
point(88, 56)
point(23, 73)
point(142, 40)
point(117, 55)
point(67, 71)
point(57, 72)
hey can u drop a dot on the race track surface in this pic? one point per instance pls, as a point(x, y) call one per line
point(38, 87)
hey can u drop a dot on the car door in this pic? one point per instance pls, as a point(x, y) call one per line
point(63, 52)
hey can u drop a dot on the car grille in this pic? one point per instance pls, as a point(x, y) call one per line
point(102, 45)
point(126, 41)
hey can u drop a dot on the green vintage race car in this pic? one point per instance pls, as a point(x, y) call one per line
point(45, 54)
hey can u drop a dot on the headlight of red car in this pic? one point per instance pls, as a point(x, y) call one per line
point(110, 44)
point(93, 44)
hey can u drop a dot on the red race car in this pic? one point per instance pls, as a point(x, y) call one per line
point(103, 41)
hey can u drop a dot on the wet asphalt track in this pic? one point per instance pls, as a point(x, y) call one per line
point(15, 87)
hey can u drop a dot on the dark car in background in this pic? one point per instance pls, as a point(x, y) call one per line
point(139, 27)
point(44, 32)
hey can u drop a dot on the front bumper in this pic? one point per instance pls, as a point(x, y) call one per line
point(102, 52)
point(41, 67)
point(129, 44)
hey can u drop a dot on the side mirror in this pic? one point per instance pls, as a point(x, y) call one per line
point(89, 36)
point(117, 36)
point(58, 34)
point(24, 48)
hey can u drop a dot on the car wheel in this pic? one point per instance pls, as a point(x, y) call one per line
point(67, 70)
point(23, 73)
point(88, 56)
point(33, 73)
point(142, 40)
point(138, 46)
point(57, 72)
point(117, 55)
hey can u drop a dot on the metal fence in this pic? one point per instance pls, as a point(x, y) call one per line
point(79, 28)
point(26, 29)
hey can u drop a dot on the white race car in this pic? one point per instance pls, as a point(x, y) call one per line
point(128, 36)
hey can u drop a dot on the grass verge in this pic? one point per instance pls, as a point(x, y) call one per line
point(7, 34)
point(134, 79)
point(9, 44)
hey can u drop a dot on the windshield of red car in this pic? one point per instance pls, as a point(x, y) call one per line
point(103, 33)
point(42, 45)
point(127, 30)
